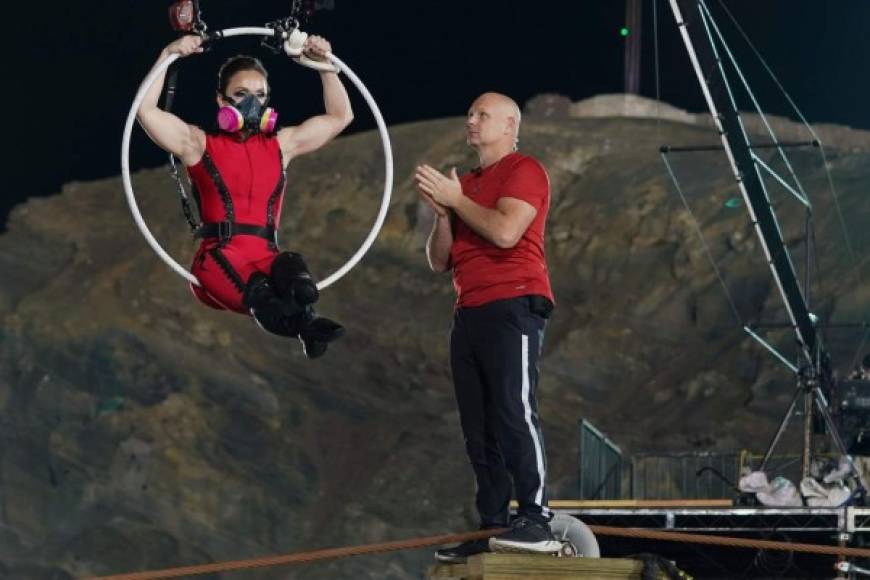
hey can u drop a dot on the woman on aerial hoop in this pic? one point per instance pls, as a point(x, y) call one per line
point(238, 175)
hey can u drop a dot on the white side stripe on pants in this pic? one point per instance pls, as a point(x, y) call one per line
point(539, 456)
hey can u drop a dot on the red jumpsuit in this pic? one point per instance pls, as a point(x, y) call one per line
point(240, 182)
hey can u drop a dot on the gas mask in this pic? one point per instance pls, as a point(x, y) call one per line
point(247, 114)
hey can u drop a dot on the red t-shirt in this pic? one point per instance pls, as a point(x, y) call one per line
point(483, 272)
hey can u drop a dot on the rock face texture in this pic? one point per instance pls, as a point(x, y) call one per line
point(141, 430)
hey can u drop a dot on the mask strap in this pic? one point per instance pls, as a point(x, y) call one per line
point(232, 102)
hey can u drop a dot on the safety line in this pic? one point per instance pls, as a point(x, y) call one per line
point(335, 553)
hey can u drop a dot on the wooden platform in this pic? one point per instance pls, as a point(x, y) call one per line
point(532, 567)
point(635, 503)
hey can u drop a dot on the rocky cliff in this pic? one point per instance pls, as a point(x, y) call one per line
point(141, 430)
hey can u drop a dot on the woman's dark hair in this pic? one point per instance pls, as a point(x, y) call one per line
point(236, 64)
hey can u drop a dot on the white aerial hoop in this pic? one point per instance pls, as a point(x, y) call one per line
point(292, 45)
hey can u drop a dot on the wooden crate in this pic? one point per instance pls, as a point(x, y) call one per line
point(534, 566)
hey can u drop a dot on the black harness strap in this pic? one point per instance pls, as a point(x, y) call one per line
point(228, 269)
point(226, 230)
point(270, 206)
point(182, 195)
point(222, 188)
point(169, 99)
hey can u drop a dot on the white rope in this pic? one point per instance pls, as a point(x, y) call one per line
point(256, 31)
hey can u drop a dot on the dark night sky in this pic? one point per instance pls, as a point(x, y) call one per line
point(420, 58)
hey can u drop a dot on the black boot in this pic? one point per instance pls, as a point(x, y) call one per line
point(316, 332)
point(286, 318)
point(270, 312)
point(292, 279)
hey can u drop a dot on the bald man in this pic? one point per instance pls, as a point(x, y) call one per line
point(489, 232)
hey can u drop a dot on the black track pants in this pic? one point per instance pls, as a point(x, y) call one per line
point(494, 352)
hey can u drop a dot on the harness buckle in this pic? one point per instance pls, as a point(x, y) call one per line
point(225, 231)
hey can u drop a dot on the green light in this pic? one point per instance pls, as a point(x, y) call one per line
point(734, 203)
point(624, 31)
